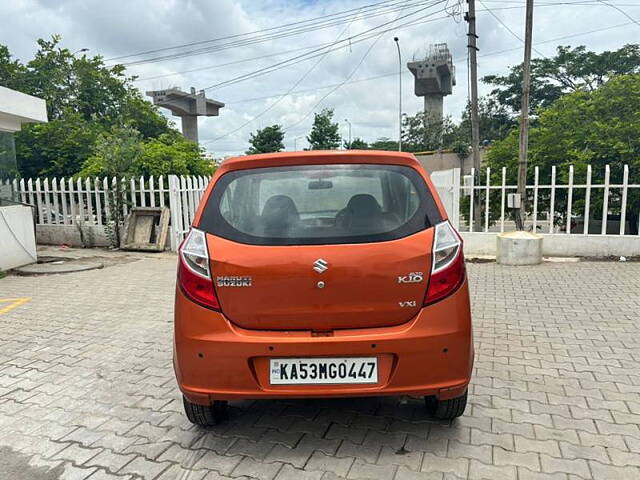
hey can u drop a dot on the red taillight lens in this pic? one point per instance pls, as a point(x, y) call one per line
point(194, 274)
point(447, 271)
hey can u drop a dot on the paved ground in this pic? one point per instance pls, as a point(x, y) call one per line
point(87, 388)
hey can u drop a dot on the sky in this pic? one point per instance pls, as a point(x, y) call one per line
point(358, 78)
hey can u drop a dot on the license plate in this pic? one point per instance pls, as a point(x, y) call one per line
point(323, 371)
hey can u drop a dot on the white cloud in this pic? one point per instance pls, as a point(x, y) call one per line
point(119, 27)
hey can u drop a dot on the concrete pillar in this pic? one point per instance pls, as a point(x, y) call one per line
point(190, 127)
point(433, 106)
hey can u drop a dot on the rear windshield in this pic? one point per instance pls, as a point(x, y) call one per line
point(323, 204)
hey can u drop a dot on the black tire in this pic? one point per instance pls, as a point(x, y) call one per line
point(205, 415)
point(446, 409)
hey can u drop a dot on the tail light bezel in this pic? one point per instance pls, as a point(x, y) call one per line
point(447, 272)
point(194, 270)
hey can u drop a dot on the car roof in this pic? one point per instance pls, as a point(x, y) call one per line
point(315, 157)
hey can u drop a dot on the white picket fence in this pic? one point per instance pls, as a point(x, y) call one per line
point(85, 201)
point(551, 219)
point(564, 211)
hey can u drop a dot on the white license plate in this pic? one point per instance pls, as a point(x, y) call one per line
point(323, 371)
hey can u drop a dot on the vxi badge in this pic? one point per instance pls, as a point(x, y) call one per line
point(233, 281)
point(413, 277)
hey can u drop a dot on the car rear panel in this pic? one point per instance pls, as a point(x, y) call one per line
point(432, 354)
point(364, 285)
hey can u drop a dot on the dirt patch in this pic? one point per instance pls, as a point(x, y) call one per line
point(16, 466)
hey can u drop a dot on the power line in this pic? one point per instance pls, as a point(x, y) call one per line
point(509, 28)
point(615, 7)
point(277, 27)
point(376, 77)
point(300, 80)
point(366, 54)
point(236, 62)
point(263, 38)
point(306, 56)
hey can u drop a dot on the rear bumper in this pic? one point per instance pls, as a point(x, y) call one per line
point(430, 355)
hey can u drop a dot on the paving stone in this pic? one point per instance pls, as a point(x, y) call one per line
point(363, 470)
point(554, 393)
point(253, 469)
point(144, 468)
point(298, 457)
point(287, 472)
point(403, 473)
point(220, 463)
point(320, 461)
point(369, 453)
point(391, 456)
point(457, 466)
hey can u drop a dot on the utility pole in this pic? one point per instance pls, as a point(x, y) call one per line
point(397, 40)
point(524, 118)
point(349, 123)
point(472, 37)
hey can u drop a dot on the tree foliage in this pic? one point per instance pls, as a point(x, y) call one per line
point(325, 133)
point(86, 100)
point(356, 144)
point(384, 143)
point(587, 127)
point(570, 70)
point(266, 140)
point(170, 153)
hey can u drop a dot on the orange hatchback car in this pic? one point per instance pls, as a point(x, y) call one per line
point(321, 274)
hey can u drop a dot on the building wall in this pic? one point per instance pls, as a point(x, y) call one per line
point(436, 161)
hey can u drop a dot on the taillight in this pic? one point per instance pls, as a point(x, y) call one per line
point(194, 274)
point(447, 271)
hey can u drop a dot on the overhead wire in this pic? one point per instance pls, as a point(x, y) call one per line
point(616, 7)
point(276, 27)
point(262, 38)
point(376, 77)
point(298, 82)
point(320, 51)
point(325, 44)
point(366, 54)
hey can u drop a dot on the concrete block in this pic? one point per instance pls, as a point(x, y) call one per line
point(519, 248)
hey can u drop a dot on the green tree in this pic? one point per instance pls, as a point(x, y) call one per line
point(384, 143)
point(84, 99)
point(570, 70)
point(324, 133)
point(117, 152)
point(420, 133)
point(596, 127)
point(266, 140)
point(356, 144)
point(170, 153)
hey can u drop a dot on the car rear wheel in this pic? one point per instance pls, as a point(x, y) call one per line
point(205, 415)
point(446, 409)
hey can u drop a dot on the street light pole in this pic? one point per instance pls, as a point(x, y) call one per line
point(349, 123)
point(397, 40)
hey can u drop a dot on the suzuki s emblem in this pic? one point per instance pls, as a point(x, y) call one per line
point(320, 265)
